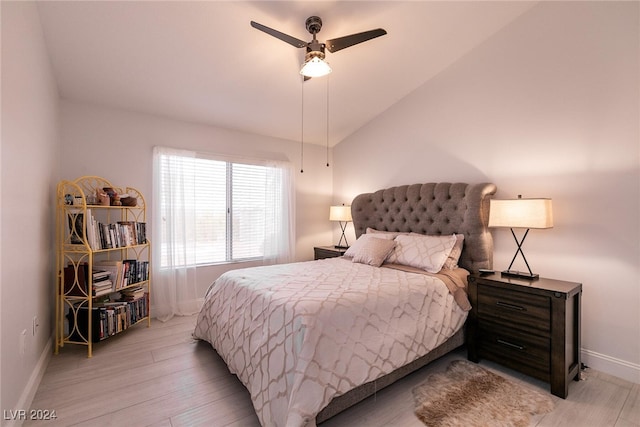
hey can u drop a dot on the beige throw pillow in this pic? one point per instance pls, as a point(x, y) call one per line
point(370, 250)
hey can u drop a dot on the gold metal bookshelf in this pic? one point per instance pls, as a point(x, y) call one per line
point(79, 247)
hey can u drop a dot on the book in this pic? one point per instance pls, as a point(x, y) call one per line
point(75, 284)
point(99, 275)
point(141, 228)
point(76, 232)
point(92, 231)
point(99, 291)
point(107, 283)
point(132, 294)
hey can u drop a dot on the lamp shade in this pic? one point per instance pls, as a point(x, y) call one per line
point(315, 66)
point(521, 213)
point(340, 213)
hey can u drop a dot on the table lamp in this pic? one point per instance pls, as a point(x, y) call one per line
point(520, 213)
point(342, 214)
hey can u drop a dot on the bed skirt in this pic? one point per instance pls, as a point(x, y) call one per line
point(360, 393)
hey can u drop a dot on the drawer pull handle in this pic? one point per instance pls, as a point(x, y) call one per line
point(508, 344)
point(510, 306)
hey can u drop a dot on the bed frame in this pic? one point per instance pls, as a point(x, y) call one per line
point(434, 209)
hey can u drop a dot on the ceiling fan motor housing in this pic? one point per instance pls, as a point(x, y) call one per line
point(314, 24)
point(316, 46)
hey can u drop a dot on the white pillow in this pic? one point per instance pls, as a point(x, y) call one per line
point(428, 253)
point(452, 260)
point(374, 251)
point(362, 242)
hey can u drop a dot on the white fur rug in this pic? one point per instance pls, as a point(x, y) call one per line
point(469, 395)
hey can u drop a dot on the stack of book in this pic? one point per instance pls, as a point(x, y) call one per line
point(116, 272)
point(102, 283)
point(132, 294)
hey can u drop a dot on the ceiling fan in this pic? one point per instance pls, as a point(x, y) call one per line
point(314, 63)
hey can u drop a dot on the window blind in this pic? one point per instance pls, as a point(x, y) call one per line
point(236, 206)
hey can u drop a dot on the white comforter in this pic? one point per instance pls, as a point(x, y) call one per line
point(298, 335)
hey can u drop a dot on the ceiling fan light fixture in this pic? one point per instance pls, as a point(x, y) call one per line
point(315, 65)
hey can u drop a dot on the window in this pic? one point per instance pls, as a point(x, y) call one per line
point(224, 210)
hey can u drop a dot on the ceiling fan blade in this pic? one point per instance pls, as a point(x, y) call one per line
point(277, 34)
point(340, 43)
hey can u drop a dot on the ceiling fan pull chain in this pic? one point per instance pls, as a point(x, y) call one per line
point(302, 125)
point(327, 120)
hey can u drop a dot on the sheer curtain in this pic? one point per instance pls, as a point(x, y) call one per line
point(279, 237)
point(178, 176)
point(174, 269)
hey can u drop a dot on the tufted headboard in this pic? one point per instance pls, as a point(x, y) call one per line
point(435, 209)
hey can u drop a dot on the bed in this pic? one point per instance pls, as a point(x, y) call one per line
point(310, 339)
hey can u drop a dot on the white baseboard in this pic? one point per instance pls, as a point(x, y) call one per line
point(610, 365)
point(29, 392)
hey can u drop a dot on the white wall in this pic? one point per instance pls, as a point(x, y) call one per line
point(30, 146)
point(548, 107)
point(118, 145)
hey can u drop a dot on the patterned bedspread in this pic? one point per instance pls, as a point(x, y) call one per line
point(298, 335)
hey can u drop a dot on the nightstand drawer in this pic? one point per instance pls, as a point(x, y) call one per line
point(520, 350)
point(321, 252)
point(509, 307)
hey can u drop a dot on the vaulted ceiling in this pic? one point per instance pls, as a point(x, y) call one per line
point(202, 61)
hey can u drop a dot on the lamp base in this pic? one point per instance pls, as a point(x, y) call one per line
point(520, 274)
point(340, 247)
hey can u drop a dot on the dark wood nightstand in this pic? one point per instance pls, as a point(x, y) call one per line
point(320, 252)
point(532, 326)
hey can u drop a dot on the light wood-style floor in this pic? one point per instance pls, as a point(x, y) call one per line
point(160, 376)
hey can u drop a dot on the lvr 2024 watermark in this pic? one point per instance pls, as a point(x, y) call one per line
point(30, 414)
